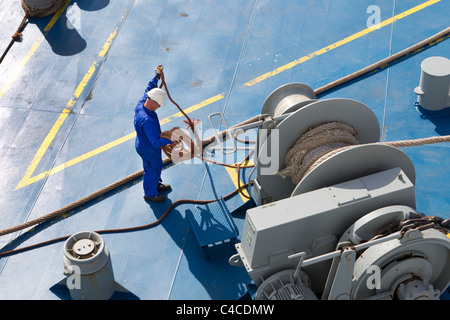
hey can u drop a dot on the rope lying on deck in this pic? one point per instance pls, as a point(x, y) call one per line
point(146, 226)
point(437, 37)
point(101, 191)
point(429, 41)
point(16, 36)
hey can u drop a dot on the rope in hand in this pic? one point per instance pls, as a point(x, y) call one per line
point(380, 64)
point(98, 193)
point(194, 148)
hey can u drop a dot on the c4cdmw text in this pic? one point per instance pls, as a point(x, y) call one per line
point(232, 309)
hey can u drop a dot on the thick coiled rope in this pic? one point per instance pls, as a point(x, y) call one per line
point(315, 143)
point(396, 144)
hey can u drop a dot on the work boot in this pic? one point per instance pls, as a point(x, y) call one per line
point(158, 198)
point(163, 187)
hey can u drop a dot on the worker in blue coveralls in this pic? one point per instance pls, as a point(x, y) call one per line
point(148, 138)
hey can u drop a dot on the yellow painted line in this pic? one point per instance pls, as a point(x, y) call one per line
point(56, 17)
point(193, 108)
point(80, 158)
point(43, 148)
point(33, 49)
point(233, 175)
point(27, 180)
point(205, 102)
point(340, 43)
point(62, 117)
point(20, 67)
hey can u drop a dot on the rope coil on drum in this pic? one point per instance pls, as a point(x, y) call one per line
point(396, 144)
point(315, 143)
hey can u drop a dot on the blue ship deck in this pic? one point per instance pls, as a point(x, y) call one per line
point(68, 91)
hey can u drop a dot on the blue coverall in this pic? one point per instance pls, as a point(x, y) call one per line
point(148, 142)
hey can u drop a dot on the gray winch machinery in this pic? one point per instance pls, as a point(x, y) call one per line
point(349, 229)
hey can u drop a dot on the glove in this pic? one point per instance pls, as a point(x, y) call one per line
point(158, 69)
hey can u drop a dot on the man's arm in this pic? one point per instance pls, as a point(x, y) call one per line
point(153, 135)
point(154, 82)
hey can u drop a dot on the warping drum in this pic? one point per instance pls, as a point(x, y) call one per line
point(288, 98)
point(41, 8)
point(353, 163)
point(354, 113)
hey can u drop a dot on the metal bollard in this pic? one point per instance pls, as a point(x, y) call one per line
point(434, 87)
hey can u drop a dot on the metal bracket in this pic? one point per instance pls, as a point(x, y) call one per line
point(223, 149)
point(339, 283)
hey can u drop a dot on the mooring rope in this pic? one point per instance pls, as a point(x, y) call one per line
point(433, 39)
point(16, 36)
point(326, 140)
point(130, 229)
point(380, 64)
point(315, 143)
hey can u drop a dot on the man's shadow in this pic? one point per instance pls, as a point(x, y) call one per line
point(180, 229)
point(172, 222)
point(63, 37)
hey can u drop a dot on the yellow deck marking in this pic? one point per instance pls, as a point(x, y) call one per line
point(27, 179)
point(193, 108)
point(33, 49)
point(340, 43)
point(44, 146)
point(110, 145)
point(234, 177)
point(62, 117)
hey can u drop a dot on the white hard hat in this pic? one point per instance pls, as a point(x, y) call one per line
point(157, 95)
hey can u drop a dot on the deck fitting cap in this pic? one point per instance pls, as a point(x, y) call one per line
point(84, 247)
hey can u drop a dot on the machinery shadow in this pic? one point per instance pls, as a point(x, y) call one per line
point(64, 38)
